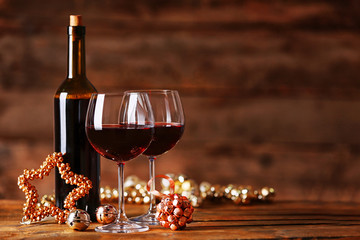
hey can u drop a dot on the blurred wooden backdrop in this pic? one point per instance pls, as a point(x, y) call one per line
point(271, 89)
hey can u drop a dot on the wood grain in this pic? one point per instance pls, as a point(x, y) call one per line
point(291, 220)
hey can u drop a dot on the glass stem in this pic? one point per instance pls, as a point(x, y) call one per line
point(121, 210)
point(152, 208)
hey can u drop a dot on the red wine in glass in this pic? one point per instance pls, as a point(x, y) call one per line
point(120, 142)
point(166, 135)
point(120, 127)
point(168, 128)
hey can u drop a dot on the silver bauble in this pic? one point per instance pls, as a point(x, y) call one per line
point(78, 220)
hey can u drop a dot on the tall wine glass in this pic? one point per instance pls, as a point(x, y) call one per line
point(169, 127)
point(120, 127)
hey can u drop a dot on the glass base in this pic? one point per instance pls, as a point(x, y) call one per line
point(122, 227)
point(148, 219)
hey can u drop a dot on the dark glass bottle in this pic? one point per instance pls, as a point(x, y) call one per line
point(70, 106)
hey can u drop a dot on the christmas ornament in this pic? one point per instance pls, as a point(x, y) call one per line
point(174, 211)
point(35, 212)
point(78, 220)
point(135, 191)
point(47, 200)
point(238, 194)
point(106, 214)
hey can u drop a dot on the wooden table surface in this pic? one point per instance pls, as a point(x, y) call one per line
point(213, 221)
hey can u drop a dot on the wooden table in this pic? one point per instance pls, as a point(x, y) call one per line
point(212, 221)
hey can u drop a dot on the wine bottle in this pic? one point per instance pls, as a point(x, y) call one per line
point(70, 105)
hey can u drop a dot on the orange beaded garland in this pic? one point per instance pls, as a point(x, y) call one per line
point(34, 213)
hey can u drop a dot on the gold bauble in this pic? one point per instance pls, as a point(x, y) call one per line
point(106, 214)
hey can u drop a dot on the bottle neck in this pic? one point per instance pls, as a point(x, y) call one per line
point(76, 52)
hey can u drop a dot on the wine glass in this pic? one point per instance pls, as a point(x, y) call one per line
point(120, 127)
point(169, 127)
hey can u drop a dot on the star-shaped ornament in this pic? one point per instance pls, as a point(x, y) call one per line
point(33, 212)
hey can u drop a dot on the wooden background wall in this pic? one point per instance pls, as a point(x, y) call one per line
point(271, 89)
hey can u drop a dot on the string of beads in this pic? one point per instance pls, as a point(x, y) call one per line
point(33, 211)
